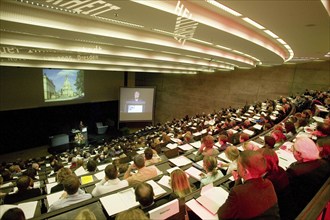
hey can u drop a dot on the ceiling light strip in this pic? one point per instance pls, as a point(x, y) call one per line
point(223, 7)
point(253, 23)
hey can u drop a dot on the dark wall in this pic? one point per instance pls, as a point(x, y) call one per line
point(22, 129)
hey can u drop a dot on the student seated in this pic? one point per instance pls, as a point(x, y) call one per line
point(25, 191)
point(143, 173)
point(179, 184)
point(61, 175)
point(150, 157)
point(212, 173)
point(308, 173)
point(72, 194)
point(144, 194)
point(110, 182)
point(206, 148)
point(256, 197)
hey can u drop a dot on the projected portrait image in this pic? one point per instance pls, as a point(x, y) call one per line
point(63, 85)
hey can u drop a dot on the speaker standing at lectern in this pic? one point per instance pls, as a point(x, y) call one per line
point(135, 105)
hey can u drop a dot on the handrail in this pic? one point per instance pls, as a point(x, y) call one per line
point(317, 204)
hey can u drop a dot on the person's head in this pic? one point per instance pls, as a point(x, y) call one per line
point(111, 171)
point(180, 183)
point(271, 158)
point(62, 174)
point(85, 214)
point(210, 164)
point(324, 146)
point(6, 175)
point(24, 182)
point(269, 141)
point(71, 184)
point(144, 194)
point(139, 161)
point(290, 127)
point(304, 149)
point(91, 165)
point(136, 95)
point(248, 145)
point(251, 164)
point(232, 153)
point(208, 141)
point(35, 166)
point(131, 214)
point(278, 127)
point(30, 172)
point(148, 153)
point(223, 139)
point(278, 136)
point(188, 136)
point(13, 214)
point(243, 137)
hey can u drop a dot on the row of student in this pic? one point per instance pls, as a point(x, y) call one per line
point(78, 162)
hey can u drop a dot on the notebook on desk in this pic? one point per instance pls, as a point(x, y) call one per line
point(119, 202)
point(212, 198)
point(194, 172)
point(158, 190)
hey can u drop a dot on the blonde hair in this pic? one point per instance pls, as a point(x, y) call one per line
point(210, 163)
point(85, 214)
point(208, 141)
point(62, 174)
point(180, 183)
point(232, 152)
point(132, 214)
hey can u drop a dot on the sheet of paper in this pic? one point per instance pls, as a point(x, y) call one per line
point(51, 198)
point(165, 181)
point(249, 132)
point(180, 161)
point(257, 126)
point(197, 144)
point(171, 169)
point(224, 157)
point(80, 171)
point(285, 158)
point(256, 144)
point(49, 186)
point(185, 147)
point(99, 175)
point(176, 140)
point(119, 202)
point(103, 166)
point(158, 190)
point(202, 212)
point(86, 179)
point(29, 208)
point(194, 172)
point(171, 146)
point(197, 134)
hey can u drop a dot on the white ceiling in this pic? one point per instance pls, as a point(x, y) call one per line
point(100, 35)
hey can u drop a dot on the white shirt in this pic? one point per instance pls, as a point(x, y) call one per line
point(108, 186)
point(79, 196)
